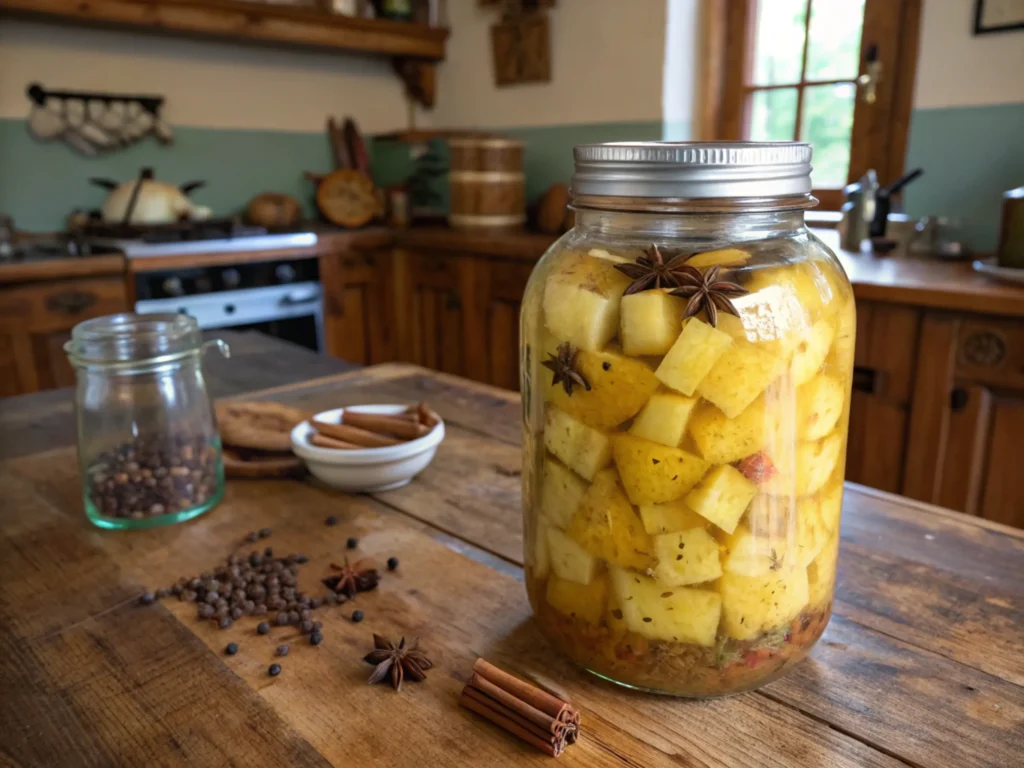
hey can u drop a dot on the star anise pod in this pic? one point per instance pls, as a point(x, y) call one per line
point(564, 366)
point(706, 292)
point(352, 578)
point(398, 661)
point(652, 271)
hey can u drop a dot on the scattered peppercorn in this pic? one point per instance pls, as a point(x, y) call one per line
point(316, 638)
point(147, 598)
point(352, 543)
point(268, 552)
point(231, 649)
point(306, 627)
point(282, 650)
point(357, 616)
point(332, 520)
point(392, 563)
point(262, 628)
point(274, 670)
point(162, 593)
point(264, 533)
point(251, 536)
point(225, 622)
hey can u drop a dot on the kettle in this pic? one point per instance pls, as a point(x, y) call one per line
point(867, 206)
point(147, 201)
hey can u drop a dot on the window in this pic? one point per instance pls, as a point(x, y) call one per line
point(835, 73)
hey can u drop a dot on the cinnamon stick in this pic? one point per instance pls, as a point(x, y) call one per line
point(424, 415)
point(521, 708)
point(476, 702)
point(535, 697)
point(349, 434)
point(329, 442)
point(375, 422)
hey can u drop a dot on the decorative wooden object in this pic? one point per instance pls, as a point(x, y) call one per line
point(347, 198)
point(273, 209)
point(488, 189)
point(522, 49)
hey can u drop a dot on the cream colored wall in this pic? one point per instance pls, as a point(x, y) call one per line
point(606, 66)
point(207, 84)
point(958, 69)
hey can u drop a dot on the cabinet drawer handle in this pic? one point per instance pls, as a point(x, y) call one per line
point(869, 380)
point(70, 302)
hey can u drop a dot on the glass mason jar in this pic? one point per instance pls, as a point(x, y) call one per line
point(148, 445)
point(686, 364)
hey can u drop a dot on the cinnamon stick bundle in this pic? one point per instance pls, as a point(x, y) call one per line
point(374, 430)
point(349, 434)
point(323, 441)
point(399, 426)
point(530, 713)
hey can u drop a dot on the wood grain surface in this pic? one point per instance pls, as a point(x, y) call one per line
point(922, 664)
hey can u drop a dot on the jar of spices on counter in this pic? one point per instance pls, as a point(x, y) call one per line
point(147, 439)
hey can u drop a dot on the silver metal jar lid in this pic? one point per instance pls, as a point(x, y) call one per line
point(693, 169)
point(130, 337)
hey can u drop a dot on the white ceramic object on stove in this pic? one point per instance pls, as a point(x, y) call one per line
point(366, 470)
point(157, 203)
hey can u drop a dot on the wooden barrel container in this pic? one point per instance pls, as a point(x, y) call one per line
point(488, 190)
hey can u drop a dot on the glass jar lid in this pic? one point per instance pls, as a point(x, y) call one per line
point(693, 169)
point(133, 338)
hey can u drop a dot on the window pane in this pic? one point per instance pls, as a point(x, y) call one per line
point(826, 123)
point(779, 42)
point(834, 52)
point(773, 115)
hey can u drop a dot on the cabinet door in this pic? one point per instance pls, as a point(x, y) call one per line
point(358, 308)
point(9, 382)
point(1000, 494)
point(506, 282)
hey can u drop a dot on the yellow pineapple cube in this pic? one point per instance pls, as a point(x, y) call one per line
point(653, 473)
point(606, 525)
point(751, 553)
point(738, 377)
point(802, 285)
point(677, 614)
point(650, 322)
point(693, 355)
point(722, 497)
point(670, 517)
point(810, 352)
point(755, 604)
point(664, 418)
point(619, 387)
point(722, 440)
point(539, 561)
point(583, 449)
point(581, 300)
point(832, 505)
point(725, 257)
point(578, 601)
point(602, 253)
point(821, 574)
point(819, 404)
point(686, 557)
point(560, 493)
point(806, 469)
point(840, 356)
point(568, 559)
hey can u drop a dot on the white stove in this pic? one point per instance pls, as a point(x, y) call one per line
point(140, 248)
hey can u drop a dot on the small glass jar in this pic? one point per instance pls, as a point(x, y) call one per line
point(686, 365)
point(148, 445)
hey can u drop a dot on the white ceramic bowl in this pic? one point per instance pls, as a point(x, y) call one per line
point(366, 470)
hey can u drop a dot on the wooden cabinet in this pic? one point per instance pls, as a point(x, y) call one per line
point(358, 305)
point(36, 320)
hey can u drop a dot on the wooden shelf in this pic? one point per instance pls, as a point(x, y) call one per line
point(237, 20)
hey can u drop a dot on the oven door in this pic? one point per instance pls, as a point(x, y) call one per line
point(293, 312)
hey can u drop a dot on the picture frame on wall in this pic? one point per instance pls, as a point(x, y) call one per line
point(998, 16)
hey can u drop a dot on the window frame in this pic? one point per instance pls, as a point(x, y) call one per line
point(879, 138)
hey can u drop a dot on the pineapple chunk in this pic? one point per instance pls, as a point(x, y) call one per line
point(670, 517)
point(651, 322)
point(692, 356)
point(725, 257)
point(811, 352)
point(819, 404)
point(540, 561)
point(560, 493)
point(680, 614)
point(802, 285)
point(722, 497)
point(811, 533)
point(578, 601)
point(806, 469)
point(619, 387)
point(581, 300)
point(568, 559)
point(664, 418)
point(601, 253)
point(741, 374)
point(583, 449)
point(652, 473)
point(832, 505)
point(821, 574)
point(722, 440)
point(840, 357)
point(686, 557)
point(606, 525)
point(750, 553)
point(756, 604)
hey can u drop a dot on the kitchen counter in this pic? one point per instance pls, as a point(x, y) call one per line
point(922, 663)
point(60, 269)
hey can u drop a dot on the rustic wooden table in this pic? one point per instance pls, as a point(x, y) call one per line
point(922, 664)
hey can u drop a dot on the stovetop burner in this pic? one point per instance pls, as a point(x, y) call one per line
point(180, 231)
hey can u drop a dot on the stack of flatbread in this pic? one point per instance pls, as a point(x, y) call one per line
point(256, 438)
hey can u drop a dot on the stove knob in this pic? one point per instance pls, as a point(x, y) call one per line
point(284, 273)
point(172, 286)
point(231, 278)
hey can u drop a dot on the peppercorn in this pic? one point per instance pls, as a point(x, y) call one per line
point(352, 543)
point(231, 649)
point(264, 533)
point(251, 536)
point(262, 628)
point(225, 622)
point(392, 563)
point(274, 670)
point(147, 598)
point(332, 520)
point(357, 616)
point(282, 650)
point(316, 638)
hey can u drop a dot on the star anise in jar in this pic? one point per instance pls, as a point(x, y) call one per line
point(706, 292)
point(564, 366)
point(398, 662)
point(652, 271)
point(352, 578)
